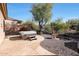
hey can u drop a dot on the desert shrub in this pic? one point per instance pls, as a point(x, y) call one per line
point(48, 28)
point(73, 23)
point(33, 24)
point(60, 26)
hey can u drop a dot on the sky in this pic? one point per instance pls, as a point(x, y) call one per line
point(21, 11)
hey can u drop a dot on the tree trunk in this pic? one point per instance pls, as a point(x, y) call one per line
point(40, 27)
point(54, 32)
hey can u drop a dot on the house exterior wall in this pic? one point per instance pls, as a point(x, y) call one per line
point(2, 33)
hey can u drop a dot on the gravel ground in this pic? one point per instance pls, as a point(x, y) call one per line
point(57, 46)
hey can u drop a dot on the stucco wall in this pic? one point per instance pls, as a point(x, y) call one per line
point(2, 33)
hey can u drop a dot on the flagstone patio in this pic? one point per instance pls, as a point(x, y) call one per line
point(23, 47)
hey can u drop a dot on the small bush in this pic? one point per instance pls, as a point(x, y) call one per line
point(48, 28)
point(34, 25)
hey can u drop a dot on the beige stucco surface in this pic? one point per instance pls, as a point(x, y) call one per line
point(2, 33)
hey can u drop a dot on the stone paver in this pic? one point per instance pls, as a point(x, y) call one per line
point(23, 47)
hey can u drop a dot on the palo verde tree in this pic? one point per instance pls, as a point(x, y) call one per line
point(41, 13)
point(60, 26)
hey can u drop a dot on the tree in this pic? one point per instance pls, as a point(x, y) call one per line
point(73, 23)
point(41, 13)
point(60, 26)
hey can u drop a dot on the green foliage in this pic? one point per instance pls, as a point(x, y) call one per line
point(34, 25)
point(48, 28)
point(73, 23)
point(41, 13)
point(59, 25)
